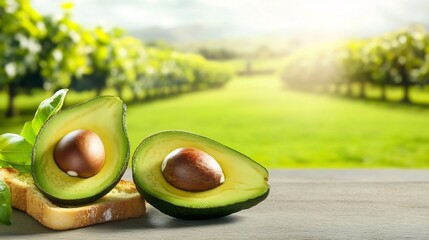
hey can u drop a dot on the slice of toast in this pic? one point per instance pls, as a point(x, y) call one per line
point(120, 203)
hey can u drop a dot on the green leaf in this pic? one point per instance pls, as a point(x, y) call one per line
point(5, 204)
point(15, 152)
point(46, 109)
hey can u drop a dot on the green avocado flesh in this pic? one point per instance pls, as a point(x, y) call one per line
point(104, 116)
point(246, 182)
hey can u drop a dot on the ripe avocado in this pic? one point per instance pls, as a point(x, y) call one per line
point(104, 116)
point(245, 184)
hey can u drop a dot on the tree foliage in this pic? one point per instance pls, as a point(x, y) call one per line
point(398, 58)
point(21, 30)
point(54, 52)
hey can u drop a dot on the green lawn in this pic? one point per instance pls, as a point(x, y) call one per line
point(283, 128)
point(275, 64)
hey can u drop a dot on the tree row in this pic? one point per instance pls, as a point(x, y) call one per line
point(397, 59)
point(53, 52)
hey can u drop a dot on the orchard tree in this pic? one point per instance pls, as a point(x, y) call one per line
point(126, 55)
point(100, 58)
point(21, 29)
point(354, 66)
point(65, 50)
point(406, 58)
point(422, 73)
point(379, 66)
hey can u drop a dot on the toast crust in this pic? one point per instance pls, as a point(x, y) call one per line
point(121, 203)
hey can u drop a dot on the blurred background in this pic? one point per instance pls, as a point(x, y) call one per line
point(291, 84)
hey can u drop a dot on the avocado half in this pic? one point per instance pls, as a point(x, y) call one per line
point(245, 185)
point(105, 116)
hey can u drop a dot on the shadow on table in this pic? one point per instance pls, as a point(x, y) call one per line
point(24, 225)
point(157, 220)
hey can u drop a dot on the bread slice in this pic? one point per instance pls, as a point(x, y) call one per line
point(121, 203)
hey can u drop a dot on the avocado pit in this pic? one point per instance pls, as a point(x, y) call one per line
point(80, 153)
point(191, 169)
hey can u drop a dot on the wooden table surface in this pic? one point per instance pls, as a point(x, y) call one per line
point(303, 204)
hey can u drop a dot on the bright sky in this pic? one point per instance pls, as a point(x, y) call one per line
point(362, 17)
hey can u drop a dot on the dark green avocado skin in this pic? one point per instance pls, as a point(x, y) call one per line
point(82, 201)
point(197, 213)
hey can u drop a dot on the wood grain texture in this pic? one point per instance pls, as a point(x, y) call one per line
point(303, 204)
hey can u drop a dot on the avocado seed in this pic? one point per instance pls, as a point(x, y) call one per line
point(192, 170)
point(80, 153)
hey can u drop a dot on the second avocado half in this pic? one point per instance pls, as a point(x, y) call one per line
point(245, 183)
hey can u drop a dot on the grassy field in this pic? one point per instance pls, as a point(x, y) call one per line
point(274, 64)
point(279, 127)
